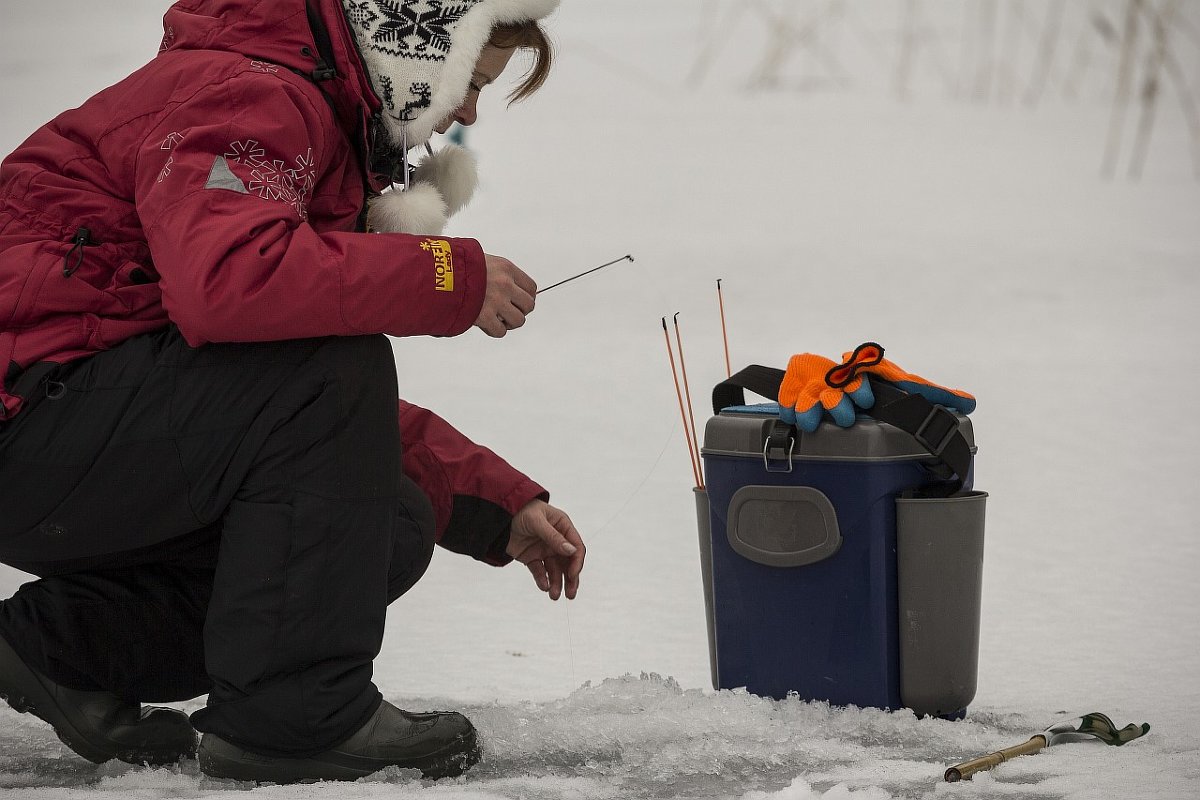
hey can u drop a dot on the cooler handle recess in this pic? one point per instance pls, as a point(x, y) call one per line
point(782, 526)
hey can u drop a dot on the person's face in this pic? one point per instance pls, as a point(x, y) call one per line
point(491, 63)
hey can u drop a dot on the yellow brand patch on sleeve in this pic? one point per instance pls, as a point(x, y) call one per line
point(443, 264)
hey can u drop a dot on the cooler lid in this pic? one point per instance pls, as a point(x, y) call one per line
point(743, 430)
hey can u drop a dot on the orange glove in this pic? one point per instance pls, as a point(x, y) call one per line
point(805, 395)
point(814, 385)
point(868, 358)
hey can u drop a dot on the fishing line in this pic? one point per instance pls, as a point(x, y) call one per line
point(640, 486)
point(592, 537)
point(571, 646)
point(694, 454)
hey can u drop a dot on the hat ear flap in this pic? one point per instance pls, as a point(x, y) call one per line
point(419, 210)
point(454, 171)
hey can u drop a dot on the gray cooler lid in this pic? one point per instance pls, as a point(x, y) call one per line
point(744, 432)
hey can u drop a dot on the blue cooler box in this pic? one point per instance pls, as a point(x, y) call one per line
point(803, 584)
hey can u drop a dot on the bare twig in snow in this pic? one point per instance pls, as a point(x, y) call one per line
point(1125, 71)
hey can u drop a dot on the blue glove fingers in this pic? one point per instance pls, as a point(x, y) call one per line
point(843, 413)
point(809, 419)
point(936, 394)
point(787, 414)
point(863, 397)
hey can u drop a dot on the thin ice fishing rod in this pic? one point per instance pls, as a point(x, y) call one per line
point(692, 455)
point(724, 335)
point(587, 272)
point(687, 392)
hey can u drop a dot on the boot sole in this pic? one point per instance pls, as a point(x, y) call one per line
point(220, 759)
point(24, 691)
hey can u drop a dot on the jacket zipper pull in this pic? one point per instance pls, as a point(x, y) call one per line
point(323, 72)
point(83, 238)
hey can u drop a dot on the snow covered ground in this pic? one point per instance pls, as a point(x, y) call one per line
point(976, 240)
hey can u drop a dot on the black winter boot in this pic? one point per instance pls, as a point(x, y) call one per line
point(440, 744)
point(97, 725)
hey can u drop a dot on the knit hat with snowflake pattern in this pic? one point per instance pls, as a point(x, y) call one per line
point(420, 55)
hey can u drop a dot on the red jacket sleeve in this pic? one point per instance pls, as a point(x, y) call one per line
point(474, 492)
point(225, 188)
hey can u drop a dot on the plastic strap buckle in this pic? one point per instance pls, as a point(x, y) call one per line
point(936, 432)
point(773, 448)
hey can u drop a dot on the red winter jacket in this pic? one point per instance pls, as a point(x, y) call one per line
point(219, 189)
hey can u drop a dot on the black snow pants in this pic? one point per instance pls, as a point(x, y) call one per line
point(230, 520)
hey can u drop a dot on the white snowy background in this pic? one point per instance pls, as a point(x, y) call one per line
point(841, 197)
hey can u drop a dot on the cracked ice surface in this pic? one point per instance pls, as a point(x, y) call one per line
point(646, 737)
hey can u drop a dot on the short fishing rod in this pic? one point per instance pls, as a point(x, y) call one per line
point(586, 272)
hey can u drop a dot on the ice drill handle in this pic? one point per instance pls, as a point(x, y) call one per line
point(968, 768)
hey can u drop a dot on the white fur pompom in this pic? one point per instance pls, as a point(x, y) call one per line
point(419, 210)
point(454, 171)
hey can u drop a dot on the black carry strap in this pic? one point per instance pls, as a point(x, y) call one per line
point(934, 427)
point(764, 381)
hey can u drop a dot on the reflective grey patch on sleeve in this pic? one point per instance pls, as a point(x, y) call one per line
point(222, 177)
